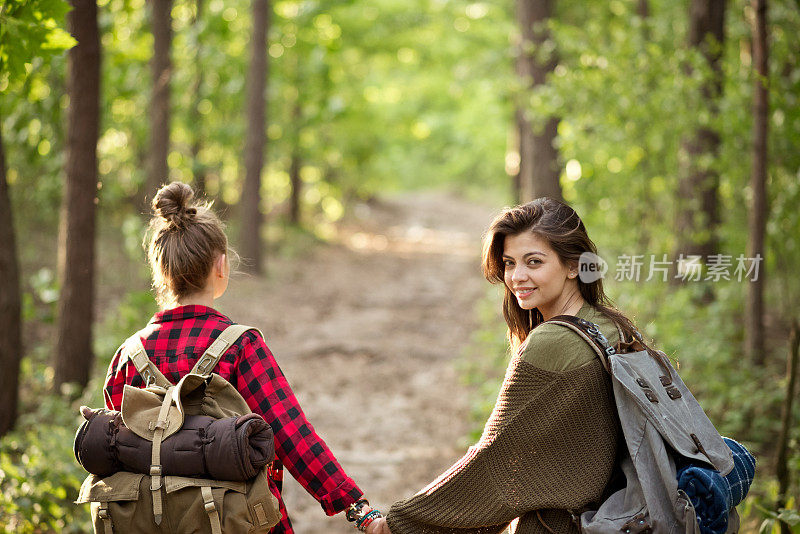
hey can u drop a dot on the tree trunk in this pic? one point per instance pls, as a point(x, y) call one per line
point(251, 243)
point(297, 188)
point(513, 147)
point(697, 215)
point(198, 169)
point(757, 224)
point(524, 179)
point(161, 68)
point(538, 168)
point(781, 467)
point(294, 167)
point(643, 205)
point(643, 9)
point(10, 307)
point(74, 355)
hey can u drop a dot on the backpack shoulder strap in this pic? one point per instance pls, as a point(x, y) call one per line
point(213, 353)
point(133, 350)
point(591, 333)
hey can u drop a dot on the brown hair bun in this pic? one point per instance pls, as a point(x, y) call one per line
point(183, 241)
point(173, 202)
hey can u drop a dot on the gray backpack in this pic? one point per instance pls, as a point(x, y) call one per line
point(661, 423)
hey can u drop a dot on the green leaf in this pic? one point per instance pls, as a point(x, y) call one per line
point(59, 39)
point(792, 517)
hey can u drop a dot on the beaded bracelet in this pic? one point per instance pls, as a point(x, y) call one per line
point(365, 524)
point(365, 521)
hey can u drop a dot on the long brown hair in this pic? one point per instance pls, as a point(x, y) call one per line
point(183, 241)
point(563, 229)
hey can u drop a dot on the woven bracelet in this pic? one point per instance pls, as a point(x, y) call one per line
point(367, 519)
point(365, 524)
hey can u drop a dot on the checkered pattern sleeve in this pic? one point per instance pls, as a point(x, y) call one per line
point(114, 384)
point(297, 445)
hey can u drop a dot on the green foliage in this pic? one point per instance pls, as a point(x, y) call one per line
point(39, 304)
point(30, 29)
point(39, 476)
point(31, 116)
point(772, 523)
point(135, 309)
point(355, 91)
point(31, 39)
point(484, 360)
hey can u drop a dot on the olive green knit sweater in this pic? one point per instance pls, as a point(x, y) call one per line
point(548, 447)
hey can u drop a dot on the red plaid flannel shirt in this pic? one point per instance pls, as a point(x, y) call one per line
point(175, 339)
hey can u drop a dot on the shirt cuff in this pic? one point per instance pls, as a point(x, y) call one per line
point(341, 497)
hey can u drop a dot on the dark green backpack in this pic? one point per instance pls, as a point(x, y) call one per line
point(147, 503)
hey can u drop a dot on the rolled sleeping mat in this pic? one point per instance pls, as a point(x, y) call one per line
point(232, 448)
point(714, 495)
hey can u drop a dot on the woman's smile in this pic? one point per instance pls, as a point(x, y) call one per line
point(524, 292)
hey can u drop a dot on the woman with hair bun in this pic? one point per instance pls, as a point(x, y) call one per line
point(188, 254)
point(550, 445)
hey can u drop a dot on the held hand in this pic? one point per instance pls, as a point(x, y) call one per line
point(379, 526)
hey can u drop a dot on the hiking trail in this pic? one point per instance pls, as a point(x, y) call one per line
point(368, 330)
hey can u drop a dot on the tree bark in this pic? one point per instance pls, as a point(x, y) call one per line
point(643, 9)
point(781, 467)
point(538, 168)
point(10, 307)
point(74, 355)
point(524, 179)
point(294, 167)
point(297, 188)
point(643, 205)
point(513, 146)
point(251, 243)
point(757, 224)
point(161, 69)
point(697, 216)
point(198, 169)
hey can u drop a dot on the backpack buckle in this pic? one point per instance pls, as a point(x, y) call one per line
point(149, 378)
point(203, 364)
point(155, 477)
point(595, 332)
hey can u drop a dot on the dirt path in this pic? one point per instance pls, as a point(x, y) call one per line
point(368, 331)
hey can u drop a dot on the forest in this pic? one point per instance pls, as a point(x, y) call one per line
point(360, 147)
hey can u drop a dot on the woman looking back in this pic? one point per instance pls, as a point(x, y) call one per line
point(550, 445)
